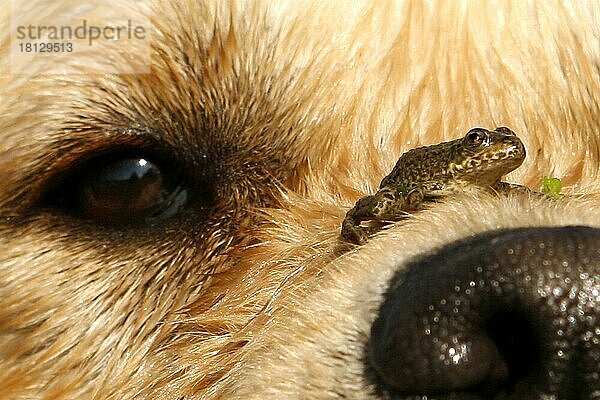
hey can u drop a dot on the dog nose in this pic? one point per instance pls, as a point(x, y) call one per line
point(511, 314)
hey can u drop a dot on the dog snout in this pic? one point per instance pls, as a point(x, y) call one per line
point(511, 314)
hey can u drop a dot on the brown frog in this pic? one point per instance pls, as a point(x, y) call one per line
point(479, 159)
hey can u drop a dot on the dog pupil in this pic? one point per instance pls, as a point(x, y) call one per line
point(127, 190)
point(130, 169)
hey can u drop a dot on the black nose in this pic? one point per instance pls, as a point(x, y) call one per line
point(511, 314)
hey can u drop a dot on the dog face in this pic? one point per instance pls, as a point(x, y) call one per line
point(175, 233)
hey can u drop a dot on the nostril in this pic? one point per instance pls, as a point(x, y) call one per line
point(517, 342)
point(511, 314)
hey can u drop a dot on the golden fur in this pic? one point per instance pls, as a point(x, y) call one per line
point(301, 108)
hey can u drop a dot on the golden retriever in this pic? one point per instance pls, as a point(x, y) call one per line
point(170, 206)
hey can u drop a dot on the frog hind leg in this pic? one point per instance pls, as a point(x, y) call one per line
point(386, 204)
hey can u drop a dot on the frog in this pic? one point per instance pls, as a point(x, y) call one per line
point(426, 174)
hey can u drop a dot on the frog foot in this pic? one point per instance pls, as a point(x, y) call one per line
point(414, 200)
point(353, 233)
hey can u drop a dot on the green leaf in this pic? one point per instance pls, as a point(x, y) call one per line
point(552, 187)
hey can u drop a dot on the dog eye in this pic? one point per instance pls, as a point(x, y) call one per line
point(130, 189)
point(122, 191)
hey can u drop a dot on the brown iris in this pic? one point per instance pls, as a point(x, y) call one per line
point(128, 190)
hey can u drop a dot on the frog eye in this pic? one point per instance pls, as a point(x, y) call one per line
point(476, 137)
point(122, 190)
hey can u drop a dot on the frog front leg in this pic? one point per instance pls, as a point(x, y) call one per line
point(386, 204)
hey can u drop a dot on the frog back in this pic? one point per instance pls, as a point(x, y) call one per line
point(424, 164)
